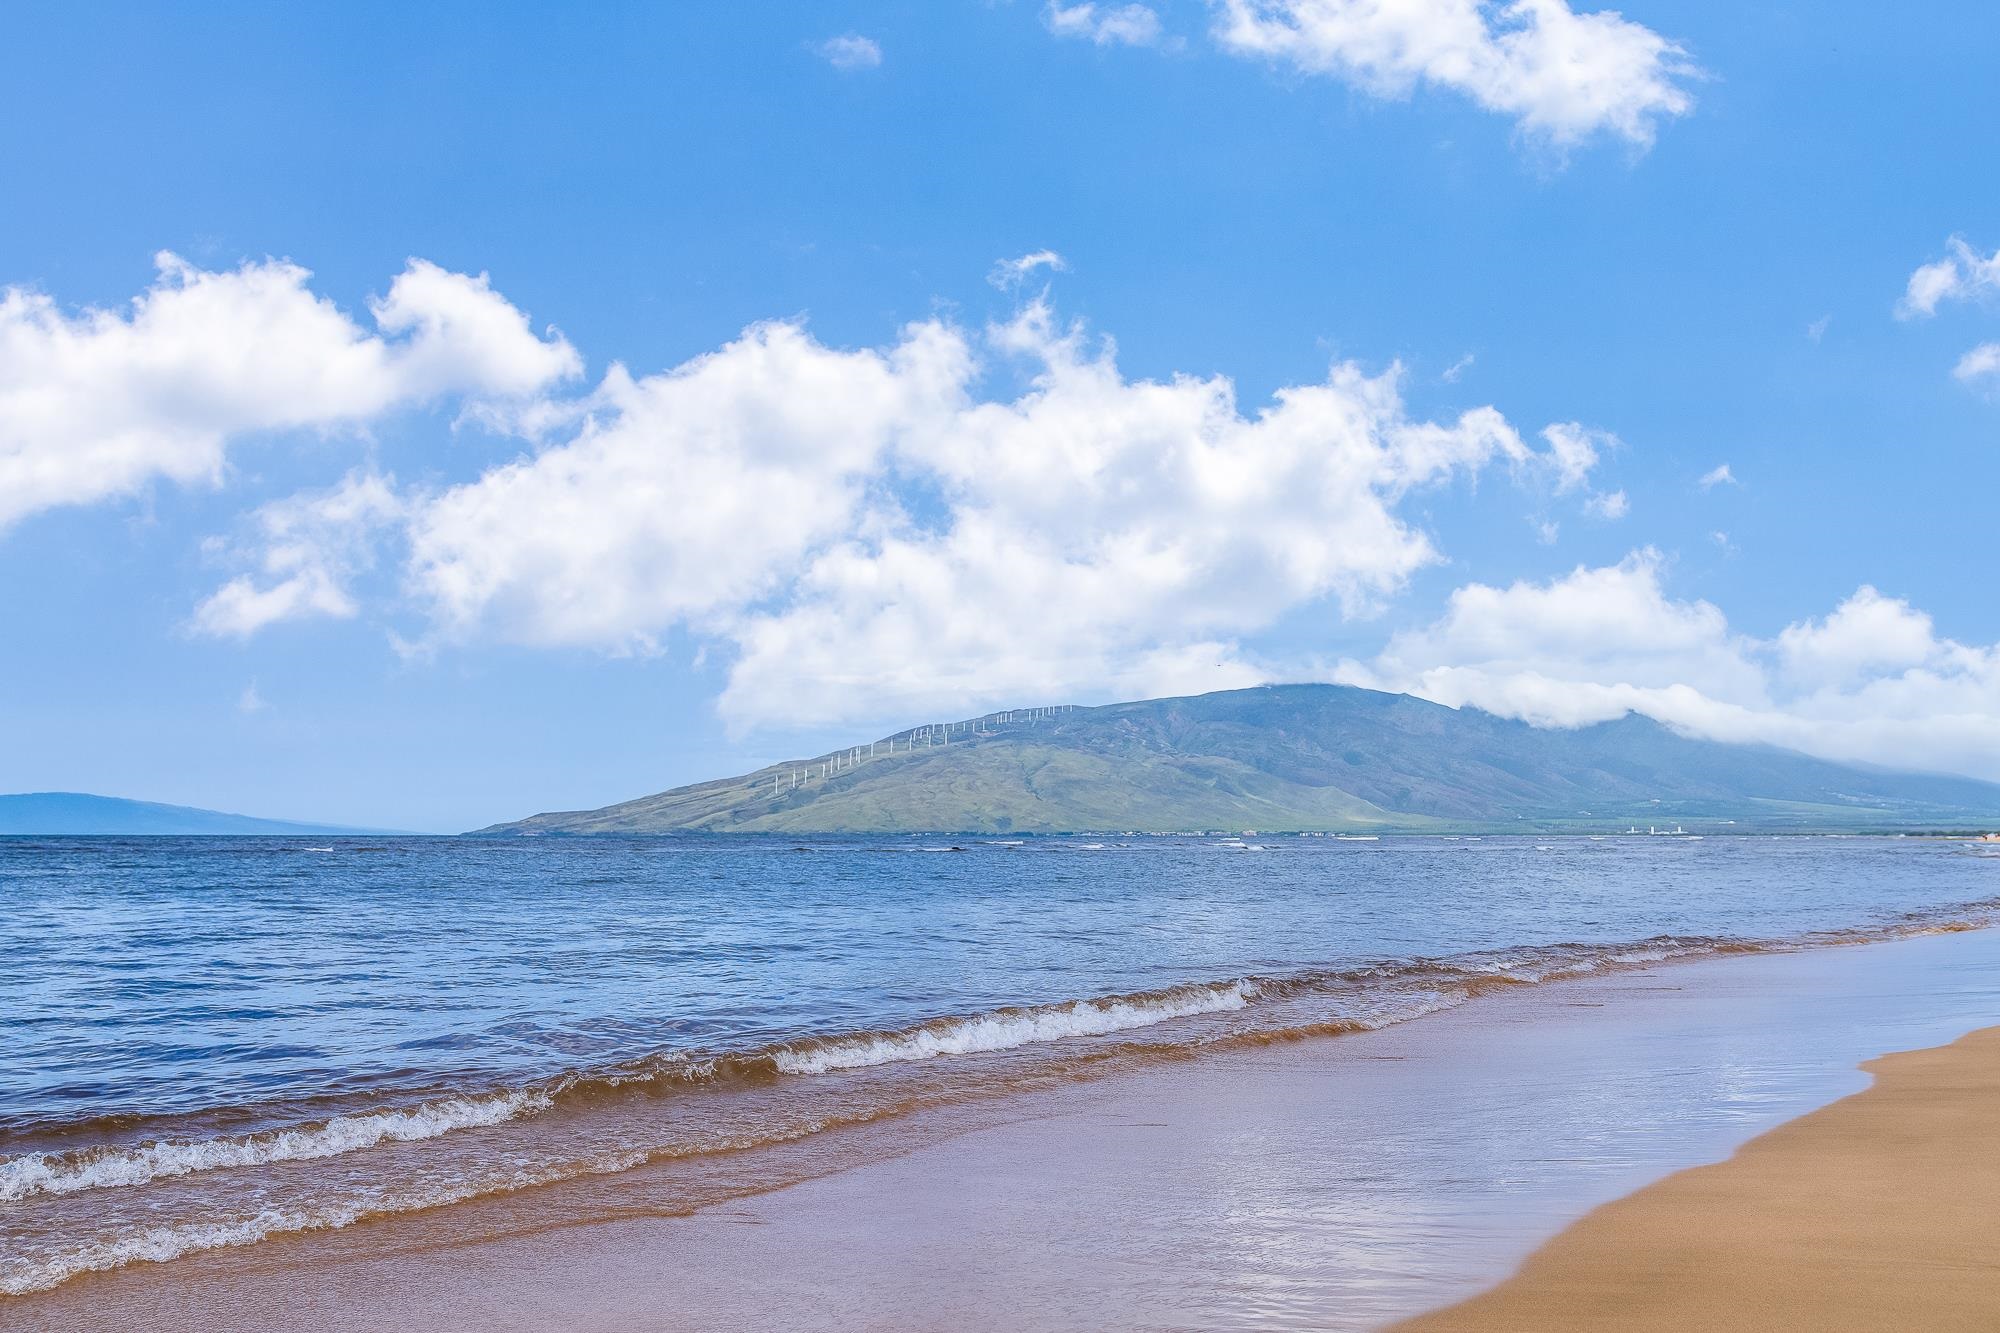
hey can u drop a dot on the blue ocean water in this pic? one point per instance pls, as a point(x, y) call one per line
point(211, 1041)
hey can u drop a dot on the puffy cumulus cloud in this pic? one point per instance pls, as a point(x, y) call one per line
point(1930, 284)
point(1866, 634)
point(1106, 25)
point(955, 519)
point(1871, 682)
point(1719, 475)
point(850, 51)
point(910, 631)
point(453, 334)
point(1104, 534)
point(1565, 77)
point(100, 403)
point(309, 549)
point(1579, 649)
point(684, 494)
point(1962, 274)
point(1980, 364)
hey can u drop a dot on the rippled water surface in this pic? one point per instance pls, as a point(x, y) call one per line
point(211, 1041)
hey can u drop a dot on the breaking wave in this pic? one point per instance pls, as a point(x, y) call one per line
point(1004, 1029)
point(110, 1167)
point(170, 1240)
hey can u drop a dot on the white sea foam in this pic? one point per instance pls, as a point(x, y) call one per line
point(101, 1168)
point(160, 1243)
point(1006, 1029)
point(21, 1274)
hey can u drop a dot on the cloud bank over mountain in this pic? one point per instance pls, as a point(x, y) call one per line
point(1871, 681)
point(952, 519)
point(962, 517)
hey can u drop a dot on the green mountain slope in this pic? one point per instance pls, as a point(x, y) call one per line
point(1290, 758)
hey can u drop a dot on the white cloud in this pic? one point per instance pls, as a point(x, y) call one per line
point(685, 494)
point(1457, 368)
point(1106, 25)
point(1610, 505)
point(1719, 475)
point(1927, 286)
point(1574, 450)
point(100, 403)
point(1872, 682)
point(1866, 633)
point(1817, 329)
point(310, 547)
point(1108, 535)
point(459, 336)
point(1565, 77)
point(1982, 362)
point(1008, 274)
point(850, 51)
point(1521, 650)
point(874, 531)
point(1962, 274)
point(250, 701)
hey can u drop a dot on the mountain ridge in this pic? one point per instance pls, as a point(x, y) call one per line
point(1284, 758)
point(73, 813)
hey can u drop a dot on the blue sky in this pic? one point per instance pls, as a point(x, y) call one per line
point(475, 579)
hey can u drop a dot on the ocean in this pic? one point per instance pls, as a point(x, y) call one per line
point(210, 1044)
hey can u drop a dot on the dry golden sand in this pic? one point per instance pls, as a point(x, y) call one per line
point(1879, 1212)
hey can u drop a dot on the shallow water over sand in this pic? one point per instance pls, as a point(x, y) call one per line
point(1327, 1183)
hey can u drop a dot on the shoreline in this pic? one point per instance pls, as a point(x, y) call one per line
point(467, 1168)
point(1341, 1182)
point(1874, 1212)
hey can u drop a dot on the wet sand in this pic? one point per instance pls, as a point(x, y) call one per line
point(1876, 1212)
point(1337, 1183)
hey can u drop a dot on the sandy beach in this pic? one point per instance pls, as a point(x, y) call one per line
point(1876, 1212)
point(1340, 1183)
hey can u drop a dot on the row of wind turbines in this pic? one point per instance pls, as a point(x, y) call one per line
point(789, 778)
